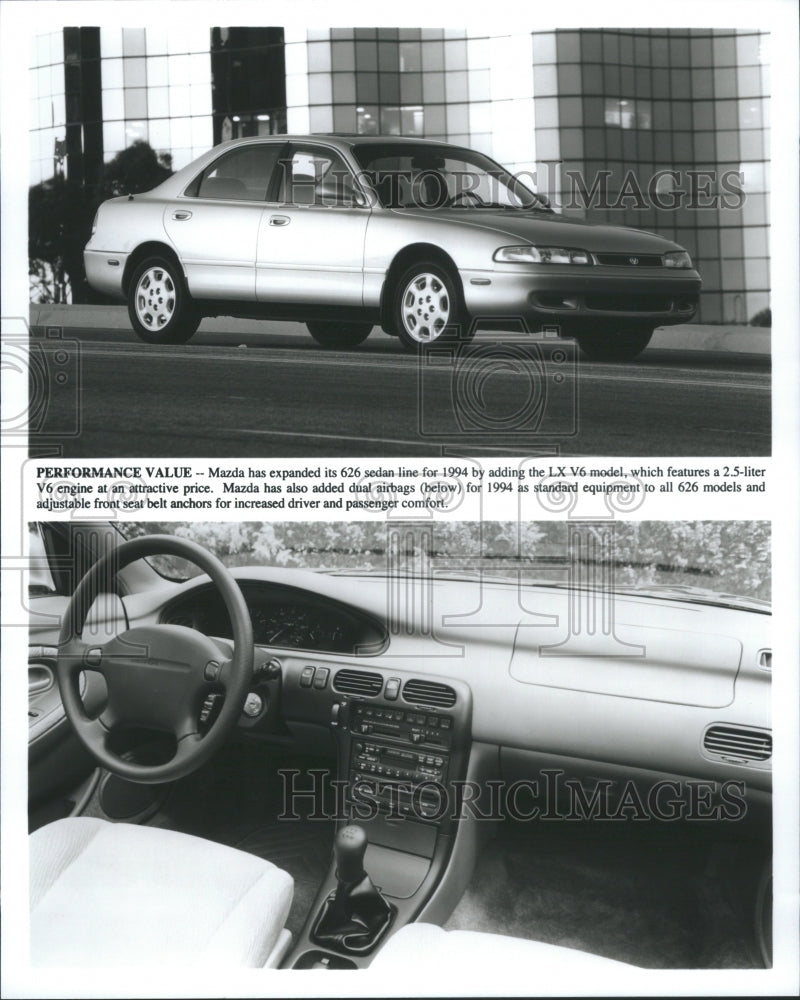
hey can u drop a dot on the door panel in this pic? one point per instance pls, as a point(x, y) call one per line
point(215, 224)
point(311, 241)
point(217, 244)
point(315, 256)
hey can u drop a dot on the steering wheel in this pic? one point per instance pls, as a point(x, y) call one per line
point(157, 676)
point(476, 198)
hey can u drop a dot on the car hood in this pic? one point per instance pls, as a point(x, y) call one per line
point(553, 230)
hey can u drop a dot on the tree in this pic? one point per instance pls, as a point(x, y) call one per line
point(134, 170)
point(60, 214)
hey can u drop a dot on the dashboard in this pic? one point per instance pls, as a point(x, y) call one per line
point(282, 617)
point(680, 688)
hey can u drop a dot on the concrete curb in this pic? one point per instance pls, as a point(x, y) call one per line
point(731, 339)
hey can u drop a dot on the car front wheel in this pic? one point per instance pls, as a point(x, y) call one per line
point(158, 305)
point(332, 335)
point(427, 307)
point(613, 345)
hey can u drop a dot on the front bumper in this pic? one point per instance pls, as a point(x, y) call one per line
point(104, 271)
point(574, 296)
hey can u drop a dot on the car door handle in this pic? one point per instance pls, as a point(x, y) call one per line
point(279, 220)
point(181, 216)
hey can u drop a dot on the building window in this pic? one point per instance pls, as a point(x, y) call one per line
point(624, 113)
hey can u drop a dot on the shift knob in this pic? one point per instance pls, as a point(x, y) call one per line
point(348, 850)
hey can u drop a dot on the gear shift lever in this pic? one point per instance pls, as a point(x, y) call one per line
point(349, 849)
point(355, 915)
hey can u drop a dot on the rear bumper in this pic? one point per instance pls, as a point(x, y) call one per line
point(573, 296)
point(104, 272)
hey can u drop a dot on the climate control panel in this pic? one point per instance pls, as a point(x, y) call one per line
point(426, 729)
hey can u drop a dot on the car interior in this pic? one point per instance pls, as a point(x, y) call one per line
point(336, 771)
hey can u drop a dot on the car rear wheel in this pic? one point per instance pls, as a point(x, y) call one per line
point(613, 345)
point(158, 305)
point(332, 335)
point(427, 307)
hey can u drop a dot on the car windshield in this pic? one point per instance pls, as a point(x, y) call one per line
point(436, 176)
point(725, 563)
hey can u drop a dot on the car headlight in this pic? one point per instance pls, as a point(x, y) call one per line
point(94, 221)
point(541, 255)
point(678, 258)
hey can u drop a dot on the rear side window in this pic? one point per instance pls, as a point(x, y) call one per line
point(241, 174)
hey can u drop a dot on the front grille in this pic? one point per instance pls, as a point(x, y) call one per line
point(630, 259)
point(738, 743)
point(429, 693)
point(358, 682)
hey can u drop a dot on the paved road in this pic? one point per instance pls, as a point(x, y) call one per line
point(277, 394)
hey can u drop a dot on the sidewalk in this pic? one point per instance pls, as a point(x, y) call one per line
point(689, 336)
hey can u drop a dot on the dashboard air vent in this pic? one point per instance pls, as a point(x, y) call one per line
point(358, 682)
point(429, 693)
point(738, 743)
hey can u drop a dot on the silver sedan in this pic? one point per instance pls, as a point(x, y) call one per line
point(427, 240)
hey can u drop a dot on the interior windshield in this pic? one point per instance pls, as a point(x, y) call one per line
point(434, 176)
point(717, 562)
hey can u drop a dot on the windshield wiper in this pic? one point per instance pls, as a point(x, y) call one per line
point(495, 206)
point(481, 576)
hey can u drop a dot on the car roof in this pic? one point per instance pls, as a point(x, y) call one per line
point(348, 139)
point(356, 139)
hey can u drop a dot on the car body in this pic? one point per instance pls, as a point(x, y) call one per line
point(652, 733)
point(426, 239)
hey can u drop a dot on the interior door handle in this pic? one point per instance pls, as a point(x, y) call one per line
point(40, 678)
point(181, 216)
point(279, 220)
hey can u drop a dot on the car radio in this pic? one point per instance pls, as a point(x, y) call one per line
point(400, 759)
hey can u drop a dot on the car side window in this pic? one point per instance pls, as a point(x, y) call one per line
point(317, 177)
point(243, 174)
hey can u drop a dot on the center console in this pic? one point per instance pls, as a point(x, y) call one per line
point(402, 755)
